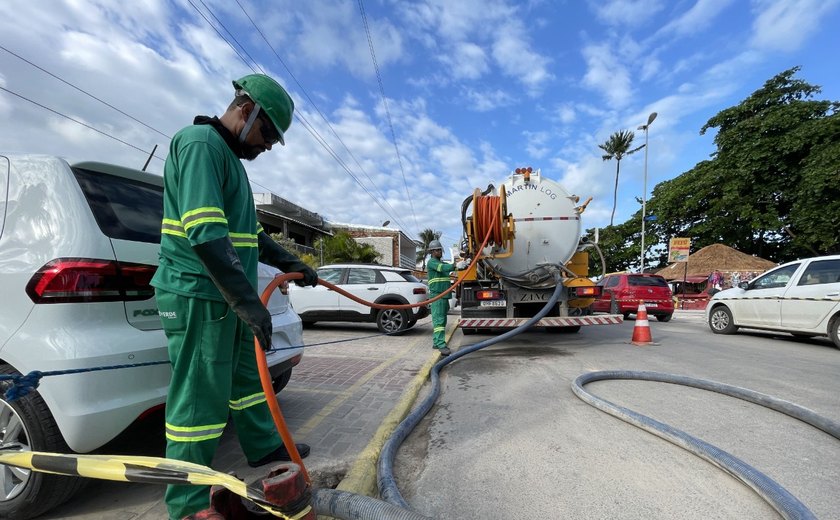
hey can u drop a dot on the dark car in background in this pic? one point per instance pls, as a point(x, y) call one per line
point(625, 291)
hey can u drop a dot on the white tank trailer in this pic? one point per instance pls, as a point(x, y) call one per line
point(514, 280)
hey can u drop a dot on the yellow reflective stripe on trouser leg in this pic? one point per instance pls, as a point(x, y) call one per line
point(247, 401)
point(194, 433)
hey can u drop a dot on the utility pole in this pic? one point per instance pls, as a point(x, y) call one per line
point(651, 117)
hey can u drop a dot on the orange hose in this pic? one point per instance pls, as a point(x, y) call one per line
point(265, 380)
point(262, 363)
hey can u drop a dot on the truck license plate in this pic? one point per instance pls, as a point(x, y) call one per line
point(493, 303)
point(651, 304)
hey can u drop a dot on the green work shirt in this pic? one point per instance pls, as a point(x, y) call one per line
point(206, 197)
point(439, 277)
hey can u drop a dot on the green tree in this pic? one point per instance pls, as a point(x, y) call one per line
point(341, 247)
point(426, 236)
point(772, 187)
point(293, 247)
point(616, 147)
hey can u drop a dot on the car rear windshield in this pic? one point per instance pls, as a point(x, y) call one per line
point(408, 277)
point(647, 281)
point(124, 208)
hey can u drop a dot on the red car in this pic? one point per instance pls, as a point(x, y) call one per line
point(626, 291)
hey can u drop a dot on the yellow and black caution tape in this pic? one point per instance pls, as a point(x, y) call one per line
point(147, 470)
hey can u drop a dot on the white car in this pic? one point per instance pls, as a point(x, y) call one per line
point(78, 247)
point(370, 282)
point(801, 297)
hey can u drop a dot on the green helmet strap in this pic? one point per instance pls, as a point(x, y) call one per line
point(249, 123)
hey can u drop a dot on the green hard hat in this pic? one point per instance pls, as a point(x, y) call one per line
point(435, 244)
point(272, 99)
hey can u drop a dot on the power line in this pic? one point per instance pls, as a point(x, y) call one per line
point(84, 92)
point(387, 111)
point(77, 121)
point(306, 94)
point(306, 124)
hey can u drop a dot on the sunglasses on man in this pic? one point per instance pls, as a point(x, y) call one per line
point(267, 130)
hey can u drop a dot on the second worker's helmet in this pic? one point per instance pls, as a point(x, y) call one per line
point(435, 244)
point(272, 99)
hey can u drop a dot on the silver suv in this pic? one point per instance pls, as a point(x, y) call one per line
point(78, 247)
point(370, 282)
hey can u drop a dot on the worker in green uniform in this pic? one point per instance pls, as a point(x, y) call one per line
point(439, 281)
point(210, 245)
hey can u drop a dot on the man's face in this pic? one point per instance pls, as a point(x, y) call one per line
point(261, 138)
point(437, 253)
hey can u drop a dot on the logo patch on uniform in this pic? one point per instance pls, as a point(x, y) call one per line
point(171, 315)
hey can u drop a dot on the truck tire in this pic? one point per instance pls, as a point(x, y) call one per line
point(664, 317)
point(720, 320)
point(26, 493)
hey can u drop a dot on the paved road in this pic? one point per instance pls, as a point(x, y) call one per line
point(335, 401)
point(509, 439)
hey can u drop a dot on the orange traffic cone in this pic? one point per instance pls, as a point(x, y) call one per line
point(641, 331)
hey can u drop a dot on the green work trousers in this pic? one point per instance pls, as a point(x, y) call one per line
point(214, 374)
point(439, 310)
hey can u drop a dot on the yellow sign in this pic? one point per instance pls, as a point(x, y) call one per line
point(678, 249)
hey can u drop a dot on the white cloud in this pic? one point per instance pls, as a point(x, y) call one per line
point(606, 74)
point(467, 61)
point(696, 19)
point(484, 101)
point(626, 12)
point(515, 57)
point(783, 25)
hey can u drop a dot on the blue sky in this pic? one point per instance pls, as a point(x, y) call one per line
point(472, 89)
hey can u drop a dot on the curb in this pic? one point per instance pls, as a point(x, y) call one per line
point(361, 479)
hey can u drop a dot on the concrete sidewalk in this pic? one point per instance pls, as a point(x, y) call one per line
point(343, 399)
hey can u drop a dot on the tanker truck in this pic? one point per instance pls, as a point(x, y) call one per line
point(526, 235)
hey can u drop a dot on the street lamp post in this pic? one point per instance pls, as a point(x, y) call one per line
point(651, 117)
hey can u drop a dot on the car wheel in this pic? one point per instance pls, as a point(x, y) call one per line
point(468, 332)
point(720, 320)
point(25, 493)
point(392, 321)
point(664, 317)
point(834, 331)
point(626, 315)
point(280, 382)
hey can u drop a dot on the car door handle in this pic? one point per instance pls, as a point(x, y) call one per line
point(833, 294)
point(373, 288)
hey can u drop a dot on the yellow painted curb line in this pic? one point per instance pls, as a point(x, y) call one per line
point(361, 479)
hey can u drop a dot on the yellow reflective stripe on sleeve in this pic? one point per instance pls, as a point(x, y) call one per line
point(247, 401)
point(203, 216)
point(443, 279)
point(243, 239)
point(194, 433)
point(259, 228)
point(172, 227)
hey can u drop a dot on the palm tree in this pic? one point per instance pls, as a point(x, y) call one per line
point(426, 236)
point(617, 146)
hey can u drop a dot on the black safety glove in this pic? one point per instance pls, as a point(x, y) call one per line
point(272, 253)
point(225, 269)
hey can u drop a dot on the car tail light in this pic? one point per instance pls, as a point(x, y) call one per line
point(587, 291)
point(488, 295)
point(419, 290)
point(67, 280)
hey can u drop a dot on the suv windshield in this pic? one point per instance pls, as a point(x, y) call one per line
point(123, 208)
point(646, 281)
